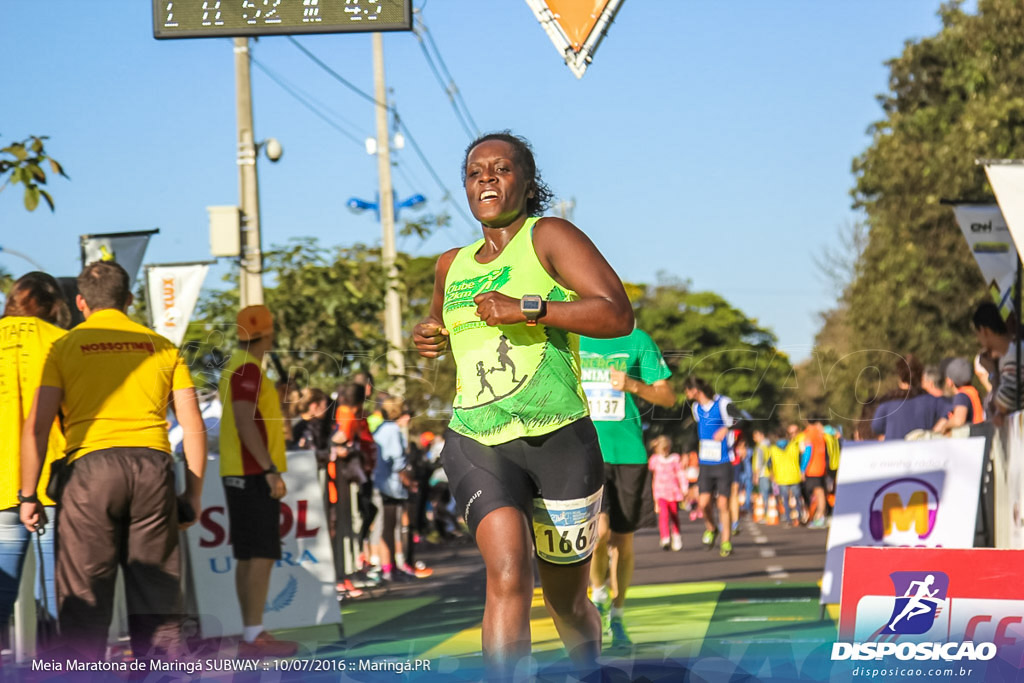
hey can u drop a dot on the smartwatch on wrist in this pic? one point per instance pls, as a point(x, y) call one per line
point(531, 306)
point(27, 499)
point(271, 470)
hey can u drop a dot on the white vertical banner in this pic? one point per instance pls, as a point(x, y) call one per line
point(124, 248)
point(993, 248)
point(172, 291)
point(1007, 180)
point(1014, 457)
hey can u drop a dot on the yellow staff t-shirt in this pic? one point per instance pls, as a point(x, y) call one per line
point(117, 377)
point(24, 345)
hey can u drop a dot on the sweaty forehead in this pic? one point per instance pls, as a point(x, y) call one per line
point(491, 149)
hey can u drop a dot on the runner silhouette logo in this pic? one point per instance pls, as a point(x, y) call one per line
point(920, 597)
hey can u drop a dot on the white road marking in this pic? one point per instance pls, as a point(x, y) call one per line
point(767, 552)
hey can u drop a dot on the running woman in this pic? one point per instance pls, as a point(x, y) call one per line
point(524, 464)
point(715, 416)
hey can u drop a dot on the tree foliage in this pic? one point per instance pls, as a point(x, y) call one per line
point(700, 333)
point(953, 98)
point(23, 162)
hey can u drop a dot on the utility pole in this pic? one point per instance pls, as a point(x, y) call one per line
point(386, 206)
point(250, 277)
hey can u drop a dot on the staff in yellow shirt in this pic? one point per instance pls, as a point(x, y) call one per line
point(113, 381)
point(33, 319)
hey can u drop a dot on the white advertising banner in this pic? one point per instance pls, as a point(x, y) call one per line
point(993, 248)
point(173, 290)
point(302, 584)
point(904, 494)
point(1007, 180)
point(1014, 445)
point(125, 248)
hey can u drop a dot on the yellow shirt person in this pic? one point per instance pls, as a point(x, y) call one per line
point(25, 343)
point(105, 407)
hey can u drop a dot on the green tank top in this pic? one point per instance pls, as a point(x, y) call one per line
point(511, 380)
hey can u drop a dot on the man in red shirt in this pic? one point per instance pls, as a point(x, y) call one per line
point(252, 459)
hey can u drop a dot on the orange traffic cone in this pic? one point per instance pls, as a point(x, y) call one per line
point(758, 508)
point(773, 513)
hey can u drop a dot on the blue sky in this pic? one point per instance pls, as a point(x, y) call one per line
point(710, 141)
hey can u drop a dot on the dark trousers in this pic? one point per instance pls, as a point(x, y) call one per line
point(119, 509)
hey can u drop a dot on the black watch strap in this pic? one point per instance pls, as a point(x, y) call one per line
point(27, 499)
point(271, 470)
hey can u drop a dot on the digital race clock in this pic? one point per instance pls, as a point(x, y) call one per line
point(202, 18)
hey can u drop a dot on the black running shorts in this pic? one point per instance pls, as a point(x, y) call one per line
point(812, 483)
point(254, 518)
point(554, 479)
point(714, 478)
point(624, 496)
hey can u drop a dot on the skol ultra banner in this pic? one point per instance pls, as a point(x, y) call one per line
point(125, 248)
point(172, 291)
point(904, 494)
point(302, 583)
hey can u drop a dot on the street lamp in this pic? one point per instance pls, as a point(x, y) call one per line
point(356, 205)
point(392, 304)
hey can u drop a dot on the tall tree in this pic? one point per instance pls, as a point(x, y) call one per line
point(701, 334)
point(953, 98)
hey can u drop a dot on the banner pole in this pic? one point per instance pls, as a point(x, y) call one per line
point(1016, 332)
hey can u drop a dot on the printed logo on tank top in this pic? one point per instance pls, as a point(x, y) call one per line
point(460, 294)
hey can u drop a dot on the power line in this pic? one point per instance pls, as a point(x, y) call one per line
point(430, 169)
point(450, 89)
point(334, 74)
point(398, 123)
point(304, 101)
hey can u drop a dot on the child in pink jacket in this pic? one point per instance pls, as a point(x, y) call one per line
point(668, 480)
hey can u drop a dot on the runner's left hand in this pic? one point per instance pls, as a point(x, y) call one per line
point(495, 308)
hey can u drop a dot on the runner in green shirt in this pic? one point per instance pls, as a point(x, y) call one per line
point(614, 370)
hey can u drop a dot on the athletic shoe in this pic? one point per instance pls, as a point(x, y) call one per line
point(735, 528)
point(677, 542)
point(347, 590)
point(693, 515)
point(664, 544)
point(365, 579)
point(604, 610)
point(817, 523)
point(400, 575)
point(708, 539)
point(619, 636)
point(420, 570)
point(726, 549)
point(266, 645)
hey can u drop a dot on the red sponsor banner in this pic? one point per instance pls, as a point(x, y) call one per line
point(934, 595)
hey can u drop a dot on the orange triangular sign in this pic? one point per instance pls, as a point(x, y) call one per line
point(576, 27)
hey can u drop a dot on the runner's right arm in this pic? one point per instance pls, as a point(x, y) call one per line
point(429, 335)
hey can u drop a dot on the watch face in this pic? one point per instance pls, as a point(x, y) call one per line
point(531, 304)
